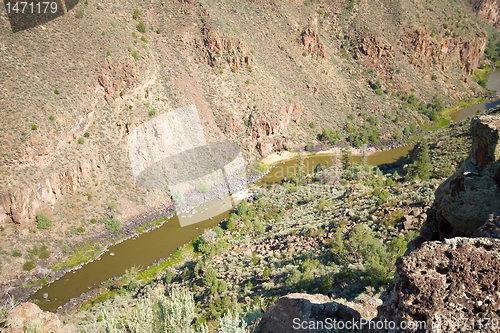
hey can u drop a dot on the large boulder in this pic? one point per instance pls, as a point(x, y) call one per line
point(28, 317)
point(300, 313)
point(465, 200)
point(440, 284)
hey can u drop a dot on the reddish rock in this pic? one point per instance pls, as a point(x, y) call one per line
point(115, 77)
point(290, 310)
point(21, 205)
point(445, 50)
point(313, 44)
point(29, 317)
point(488, 10)
point(439, 283)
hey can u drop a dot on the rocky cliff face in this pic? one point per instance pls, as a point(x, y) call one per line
point(465, 200)
point(20, 205)
point(269, 135)
point(488, 10)
point(445, 50)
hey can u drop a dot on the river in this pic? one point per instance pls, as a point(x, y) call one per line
point(493, 84)
point(162, 242)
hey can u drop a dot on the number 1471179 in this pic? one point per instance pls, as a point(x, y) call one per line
point(24, 7)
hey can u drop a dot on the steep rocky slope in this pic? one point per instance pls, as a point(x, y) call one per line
point(266, 75)
point(258, 72)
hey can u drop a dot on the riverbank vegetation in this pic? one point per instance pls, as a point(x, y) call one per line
point(337, 231)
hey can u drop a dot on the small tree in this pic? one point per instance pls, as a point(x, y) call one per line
point(230, 225)
point(422, 166)
point(243, 209)
point(210, 276)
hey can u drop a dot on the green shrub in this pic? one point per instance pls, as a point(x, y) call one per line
point(144, 39)
point(79, 13)
point(43, 253)
point(152, 112)
point(434, 77)
point(81, 141)
point(222, 286)
point(80, 230)
point(42, 221)
point(135, 55)
point(210, 276)
point(243, 208)
point(266, 273)
point(304, 54)
point(312, 125)
point(141, 27)
point(29, 265)
point(186, 274)
point(86, 135)
point(56, 92)
point(52, 118)
point(169, 277)
point(379, 91)
point(93, 221)
point(330, 135)
point(233, 69)
point(137, 14)
point(178, 198)
point(66, 249)
point(230, 225)
point(114, 225)
point(34, 127)
point(392, 219)
point(16, 253)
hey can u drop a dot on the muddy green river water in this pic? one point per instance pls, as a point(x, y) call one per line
point(161, 243)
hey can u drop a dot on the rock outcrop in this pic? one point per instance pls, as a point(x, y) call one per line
point(222, 50)
point(116, 77)
point(444, 50)
point(28, 317)
point(313, 44)
point(488, 10)
point(439, 284)
point(20, 205)
point(465, 200)
point(267, 136)
point(309, 313)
